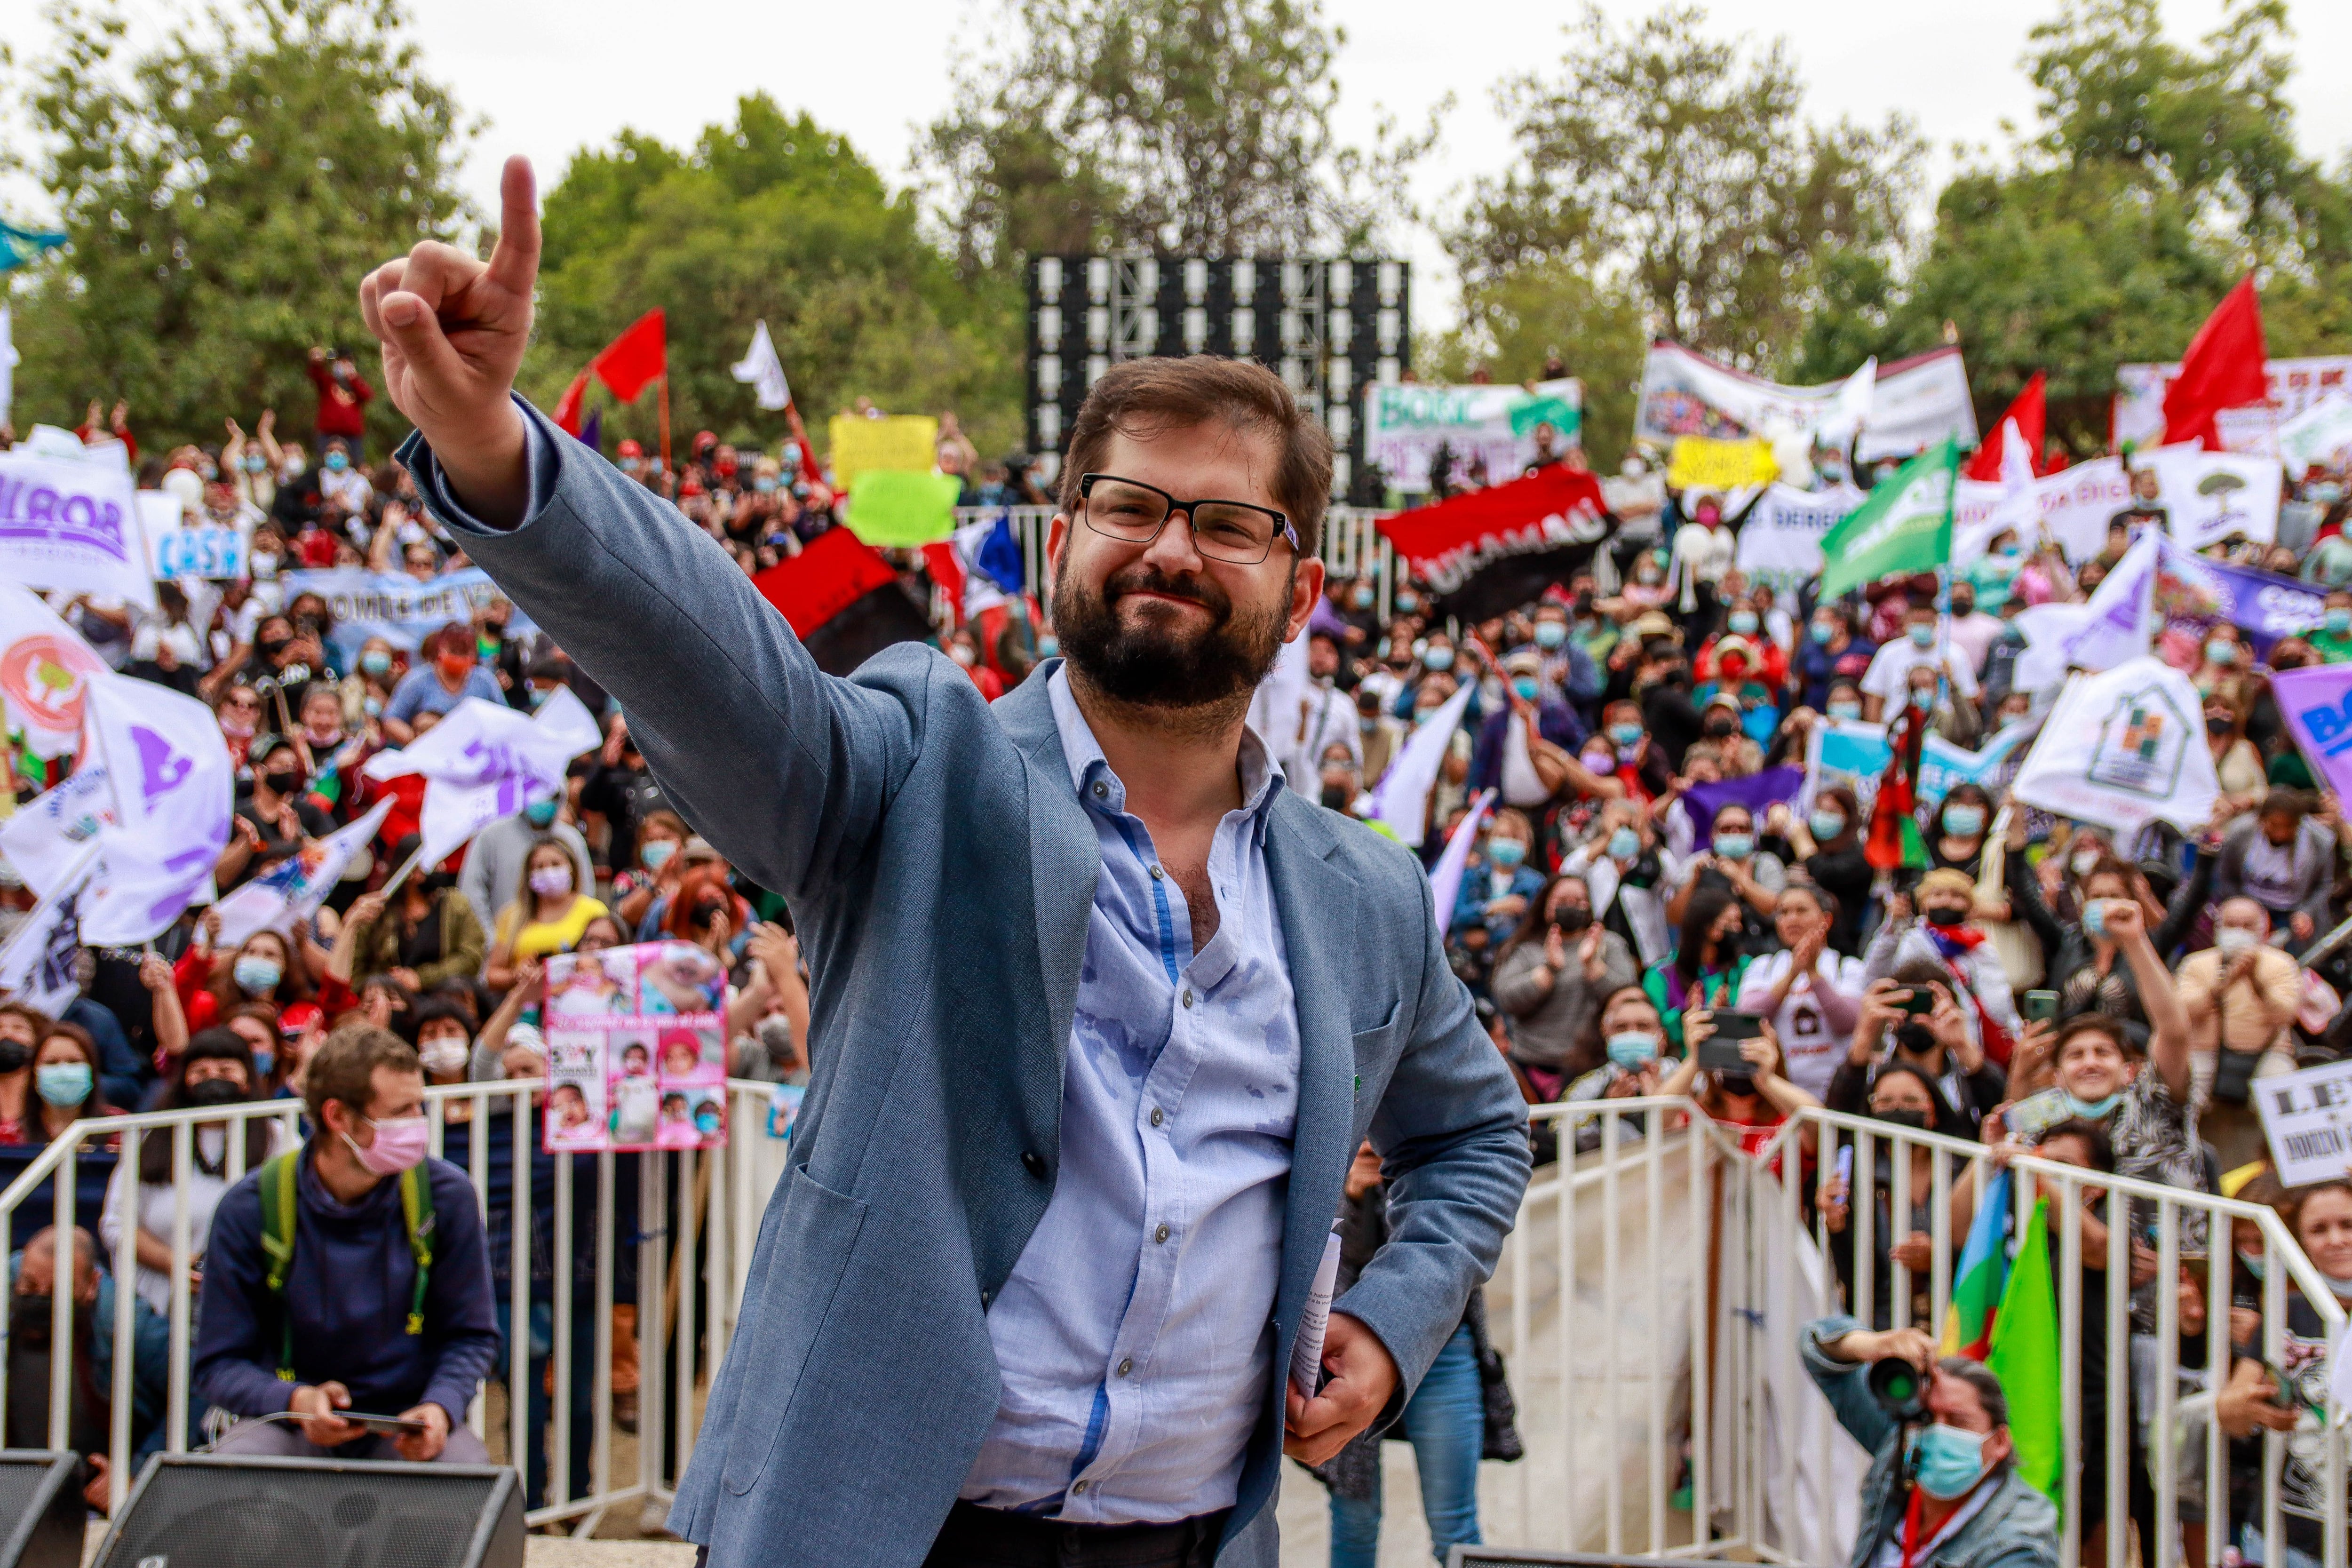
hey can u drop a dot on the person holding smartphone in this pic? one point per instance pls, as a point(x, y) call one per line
point(1742, 1080)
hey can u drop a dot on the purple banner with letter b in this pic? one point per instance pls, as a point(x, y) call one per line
point(2317, 703)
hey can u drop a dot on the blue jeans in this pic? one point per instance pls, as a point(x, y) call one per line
point(1446, 1422)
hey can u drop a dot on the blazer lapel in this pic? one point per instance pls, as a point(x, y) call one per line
point(1065, 862)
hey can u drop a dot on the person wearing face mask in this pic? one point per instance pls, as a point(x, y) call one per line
point(21, 1028)
point(1827, 842)
point(1755, 1100)
point(1937, 1044)
point(2241, 995)
point(1708, 962)
point(1731, 860)
point(1973, 632)
point(64, 1080)
point(1944, 935)
point(1495, 756)
point(377, 1310)
point(426, 934)
point(545, 915)
point(445, 1049)
point(1550, 979)
point(217, 1069)
point(1703, 556)
point(1830, 653)
point(2282, 857)
point(1567, 654)
point(277, 819)
point(2333, 638)
point(1887, 682)
point(1946, 1490)
point(1628, 1040)
point(1744, 627)
point(1909, 1101)
point(449, 675)
point(264, 968)
point(340, 481)
point(1498, 885)
point(1811, 994)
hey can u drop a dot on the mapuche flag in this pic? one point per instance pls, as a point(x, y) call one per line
point(1906, 526)
point(1486, 552)
point(843, 600)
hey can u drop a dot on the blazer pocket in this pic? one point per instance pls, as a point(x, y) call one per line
point(814, 1235)
point(1365, 1033)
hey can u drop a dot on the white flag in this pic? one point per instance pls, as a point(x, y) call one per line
point(1402, 798)
point(1446, 881)
point(175, 789)
point(46, 840)
point(36, 964)
point(764, 370)
point(2120, 619)
point(487, 761)
point(43, 666)
point(2122, 748)
point(292, 891)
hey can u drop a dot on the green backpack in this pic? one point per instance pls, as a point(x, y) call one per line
point(278, 1241)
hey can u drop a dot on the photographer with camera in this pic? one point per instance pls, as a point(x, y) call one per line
point(1943, 1485)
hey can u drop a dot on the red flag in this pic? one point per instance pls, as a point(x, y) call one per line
point(567, 413)
point(2222, 369)
point(834, 570)
point(636, 359)
point(2030, 413)
point(1897, 795)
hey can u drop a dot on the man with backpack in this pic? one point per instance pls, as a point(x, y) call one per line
point(350, 1275)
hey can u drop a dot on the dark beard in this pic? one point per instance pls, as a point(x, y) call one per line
point(1154, 666)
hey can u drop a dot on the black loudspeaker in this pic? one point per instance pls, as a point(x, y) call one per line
point(41, 1511)
point(1518, 1557)
point(232, 1511)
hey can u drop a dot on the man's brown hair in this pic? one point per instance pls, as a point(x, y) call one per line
point(1138, 398)
point(345, 1067)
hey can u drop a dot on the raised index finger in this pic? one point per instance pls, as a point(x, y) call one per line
point(514, 261)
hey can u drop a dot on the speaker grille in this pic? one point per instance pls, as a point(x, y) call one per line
point(18, 1479)
point(237, 1516)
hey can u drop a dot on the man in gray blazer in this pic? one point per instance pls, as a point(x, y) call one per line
point(1102, 1012)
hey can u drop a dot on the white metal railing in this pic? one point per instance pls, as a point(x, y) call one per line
point(1676, 1270)
point(714, 1200)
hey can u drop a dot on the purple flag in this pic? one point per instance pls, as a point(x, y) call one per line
point(2318, 702)
point(1755, 791)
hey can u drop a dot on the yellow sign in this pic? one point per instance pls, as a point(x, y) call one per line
point(908, 443)
point(1699, 462)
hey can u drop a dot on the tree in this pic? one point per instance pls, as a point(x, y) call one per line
point(225, 192)
point(1195, 127)
point(1685, 167)
point(773, 218)
point(1515, 323)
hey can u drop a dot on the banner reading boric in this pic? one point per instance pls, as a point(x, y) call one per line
point(636, 1049)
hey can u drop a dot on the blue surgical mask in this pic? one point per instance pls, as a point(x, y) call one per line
point(1634, 1049)
point(2095, 918)
point(2337, 622)
point(656, 852)
point(1822, 631)
point(1735, 846)
point(2092, 1109)
point(2327, 492)
point(766, 484)
point(1505, 852)
point(337, 462)
point(1947, 1461)
point(1625, 735)
point(1826, 823)
point(1408, 601)
point(1423, 715)
point(1845, 707)
point(375, 661)
point(1525, 685)
point(1550, 634)
point(1048, 647)
point(1742, 622)
point(1437, 658)
point(539, 813)
point(1921, 636)
point(1624, 844)
point(62, 1084)
point(2255, 1264)
point(2218, 651)
point(264, 1062)
point(1964, 821)
point(1364, 597)
point(256, 977)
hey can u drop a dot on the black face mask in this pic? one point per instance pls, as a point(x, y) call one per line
point(2216, 725)
point(30, 1323)
point(214, 1091)
point(1915, 1038)
point(1914, 1120)
point(1945, 916)
point(272, 647)
point(285, 783)
point(15, 1056)
point(1728, 946)
point(1736, 1083)
point(1718, 729)
point(1570, 919)
point(1337, 796)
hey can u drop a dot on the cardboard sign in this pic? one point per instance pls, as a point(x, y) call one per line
point(2307, 1117)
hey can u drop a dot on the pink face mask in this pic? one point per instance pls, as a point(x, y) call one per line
point(400, 1142)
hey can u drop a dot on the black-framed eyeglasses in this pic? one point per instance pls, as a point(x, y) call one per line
point(1133, 513)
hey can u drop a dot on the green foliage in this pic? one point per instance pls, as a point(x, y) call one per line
point(1191, 126)
point(1515, 323)
point(772, 218)
point(225, 192)
point(1687, 168)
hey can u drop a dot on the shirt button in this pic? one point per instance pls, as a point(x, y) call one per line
point(1033, 1162)
point(1079, 1488)
point(1160, 1234)
point(1157, 1115)
point(1100, 791)
point(1157, 873)
point(1188, 995)
point(1126, 1366)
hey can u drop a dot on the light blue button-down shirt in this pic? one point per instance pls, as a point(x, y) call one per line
point(1134, 1335)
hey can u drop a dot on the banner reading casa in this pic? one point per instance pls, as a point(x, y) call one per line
point(843, 600)
point(1487, 551)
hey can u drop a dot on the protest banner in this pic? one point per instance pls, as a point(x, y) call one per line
point(395, 607)
point(1903, 525)
point(895, 508)
point(2208, 497)
point(2316, 702)
point(905, 443)
point(44, 667)
point(176, 550)
point(486, 761)
point(2295, 386)
point(1405, 423)
point(174, 787)
point(73, 524)
point(2123, 748)
point(1757, 791)
point(1902, 408)
point(1849, 753)
point(2321, 434)
point(2075, 504)
point(2307, 1120)
point(637, 1049)
point(1501, 547)
point(292, 891)
point(1702, 462)
point(1943, 766)
point(1781, 540)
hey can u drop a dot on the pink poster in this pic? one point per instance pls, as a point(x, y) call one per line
point(637, 1049)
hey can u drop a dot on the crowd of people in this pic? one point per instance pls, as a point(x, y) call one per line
point(2036, 984)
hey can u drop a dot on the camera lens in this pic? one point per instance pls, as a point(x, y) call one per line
point(1898, 1387)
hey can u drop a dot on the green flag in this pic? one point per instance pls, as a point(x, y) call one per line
point(1904, 526)
point(2025, 1358)
point(897, 510)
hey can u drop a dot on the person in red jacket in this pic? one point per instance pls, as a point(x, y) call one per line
point(343, 396)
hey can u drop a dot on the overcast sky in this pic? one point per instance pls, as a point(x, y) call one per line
point(552, 78)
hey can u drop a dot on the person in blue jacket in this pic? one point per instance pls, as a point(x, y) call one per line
point(383, 1306)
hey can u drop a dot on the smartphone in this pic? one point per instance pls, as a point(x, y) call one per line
point(383, 1425)
point(2040, 1006)
point(1733, 1024)
point(1720, 1052)
point(1921, 1002)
